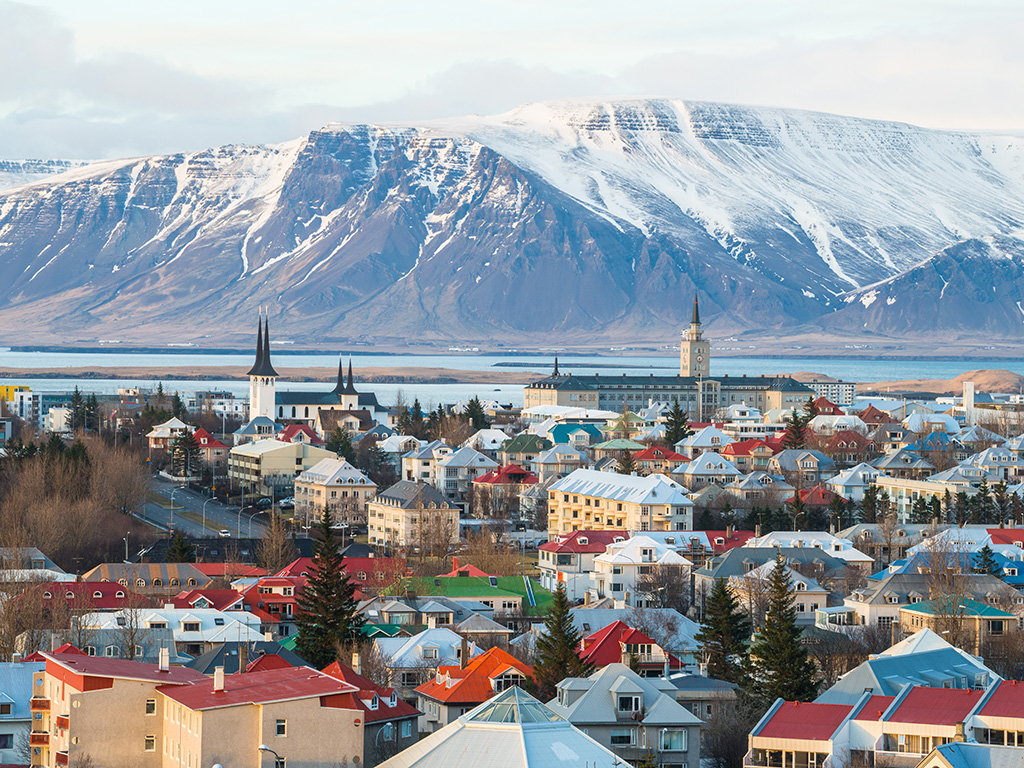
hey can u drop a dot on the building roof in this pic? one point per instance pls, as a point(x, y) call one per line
point(228, 656)
point(385, 709)
point(467, 457)
point(970, 607)
point(287, 684)
point(149, 572)
point(818, 496)
point(526, 443)
point(262, 366)
point(1006, 700)
point(206, 440)
point(935, 706)
point(654, 489)
point(583, 542)
point(510, 474)
point(97, 666)
point(292, 431)
point(804, 721)
point(409, 494)
point(963, 754)
point(472, 684)
point(605, 646)
point(218, 599)
point(333, 472)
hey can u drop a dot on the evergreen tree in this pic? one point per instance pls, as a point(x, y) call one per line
point(985, 562)
point(54, 447)
point(810, 409)
point(960, 509)
point(178, 406)
point(795, 435)
point(404, 423)
point(948, 511)
point(627, 464)
point(475, 414)
point(919, 511)
point(77, 453)
point(1000, 502)
point(327, 606)
point(181, 550)
point(373, 461)
point(557, 654)
point(706, 523)
point(724, 634)
point(416, 420)
point(837, 512)
point(780, 667)
point(91, 419)
point(340, 442)
point(869, 505)
point(935, 509)
point(983, 502)
point(77, 409)
point(185, 453)
point(797, 512)
point(677, 426)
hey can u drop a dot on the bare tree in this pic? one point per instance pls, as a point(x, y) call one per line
point(948, 587)
point(276, 549)
point(133, 637)
point(724, 738)
point(665, 586)
point(661, 626)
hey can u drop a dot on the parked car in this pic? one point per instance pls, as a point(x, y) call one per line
point(264, 503)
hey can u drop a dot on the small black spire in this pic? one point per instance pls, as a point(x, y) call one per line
point(556, 367)
point(339, 385)
point(259, 347)
point(350, 372)
point(696, 312)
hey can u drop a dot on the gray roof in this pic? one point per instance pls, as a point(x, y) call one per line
point(409, 494)
point(597, 706)
point(902, 584)
point(789, 459)
point(735, 562)
point(481, 625)
point(886, 675)
point(227, 655)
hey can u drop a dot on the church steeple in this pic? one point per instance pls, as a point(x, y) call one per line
point(262, 376)
point(556, 367)
point(696, 312)
point(262, 366)
point(694, 351)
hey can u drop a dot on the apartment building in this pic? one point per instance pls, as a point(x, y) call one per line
point(454, 474)
point(337, 485)
point(592, 500)
point(412, 514)
point(272, 465)
point(568, 559)
point(618, 570)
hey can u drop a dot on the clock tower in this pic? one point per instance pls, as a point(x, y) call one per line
point(694, 352)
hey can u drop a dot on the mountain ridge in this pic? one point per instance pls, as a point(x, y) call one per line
point(555, 221)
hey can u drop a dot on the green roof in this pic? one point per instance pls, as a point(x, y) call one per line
point(526, 443)
point(380, 630)
point(288, 643)
point(618, 445)
point(951, 603)
point(476, 588)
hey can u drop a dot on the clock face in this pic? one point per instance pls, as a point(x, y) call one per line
point(700, 358)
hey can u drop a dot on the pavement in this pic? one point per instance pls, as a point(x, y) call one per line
point(218, 516)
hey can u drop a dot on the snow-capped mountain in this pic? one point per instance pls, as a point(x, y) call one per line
point(556, 221)
point(15, 173)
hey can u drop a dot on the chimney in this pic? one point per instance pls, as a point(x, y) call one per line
point(243, 657)
point(165, 659)
point(728, 531)
point(15, 658)
point(357, 663)
point(268, 637)
point(757, 531)
point(586, 597)
point(464, 654)
point(958, 734)
point(431, 622)
point(218, 679)
point(455, 563)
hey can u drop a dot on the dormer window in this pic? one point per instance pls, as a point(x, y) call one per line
point(583, 540)
point(628, 703)
point(430, 652)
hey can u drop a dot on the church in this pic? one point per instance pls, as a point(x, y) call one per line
point(270, 410)
point(697, 391)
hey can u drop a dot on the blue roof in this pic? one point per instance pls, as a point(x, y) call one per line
point(16, 687)
point(560, 432)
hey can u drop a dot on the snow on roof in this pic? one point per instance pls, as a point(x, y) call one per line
point(654, 489)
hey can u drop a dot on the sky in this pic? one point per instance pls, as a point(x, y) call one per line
point(117, 78)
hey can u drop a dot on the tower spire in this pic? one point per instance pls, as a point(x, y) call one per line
point(350, 386)
point(696, 311)
point(556, 366)
point(262, 366)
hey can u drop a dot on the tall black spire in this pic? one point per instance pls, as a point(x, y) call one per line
point(339, 385)
point(556, 367)
point(696, 312)
point(262, 366)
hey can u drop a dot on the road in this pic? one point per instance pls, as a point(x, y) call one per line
point(218, 516)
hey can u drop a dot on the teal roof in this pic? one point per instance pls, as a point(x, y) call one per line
point(618, 445)
point(971, 607)
point(560, 432)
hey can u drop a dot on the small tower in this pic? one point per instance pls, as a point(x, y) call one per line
point(262, 376)
point(694, 352)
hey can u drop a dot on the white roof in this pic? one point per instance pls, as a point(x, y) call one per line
point(566, 412)
point(764, 572)
point(467, 457)
point(653, 489)
point(214, 626)
point(399, 444)
point(705, 438)
point(486, 439)
point(860, 475)
point(333, 472)
point(404, 652)
point(822, 540)
point(628, 552)
point(925, 422)
point(823, 423)
point(708, 463)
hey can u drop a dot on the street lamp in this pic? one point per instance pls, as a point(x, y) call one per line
point(204, 511)
point(173, 491)
point(126, 546)
point(257, 512)
point(277, 757)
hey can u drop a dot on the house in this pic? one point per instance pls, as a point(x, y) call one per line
point(617, 572)
point(707, 469)
point(848, 448)
point(631, 715)
point(656, 460)
point(874, 417)
point(523, 449)
point(976, 623)
point(578, 436)
point(802, 466)
point(748, 455)
point(619, 643)
point(151, 579)
point(511, 730)
point(274, 601)
point(397, 446)
point(486, 441)
point(418, 613)
point(759, 486)
point(271, 465)
point(233, 656)
point(418, 464)
point(162, 436)
point(705, 697)
point(558, 461)
point(88, 596)
point(851, 483)
point(195, 630)
point(710, 438)
point(411, 514)
point(411, 661)
point(751, 590)
point(568, 559)
point(592, 500)
point(454, 474)
point(214, 453)
point(613, 449)
point(884, 544)
point(961, 754)
point(15, 713)
point(508, 597)
point(699, 546)
point(829, 425)
point(299, 433)
point(257, 428)
point(904, 464)
point(337, 485)
point(836, 546)
point(456, 689)
point(390, 723)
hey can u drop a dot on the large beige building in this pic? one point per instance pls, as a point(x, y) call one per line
point(127, 714)
point(592, 500)
point(413, 515)
point(337, 485)
point(272, 464)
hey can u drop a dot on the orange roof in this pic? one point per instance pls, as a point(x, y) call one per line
point(818, 496)
point(827, 408)
point(472, 684)
point(367, 688)
point(267, 661)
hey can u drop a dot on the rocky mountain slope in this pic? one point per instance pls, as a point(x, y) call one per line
point(556, 222)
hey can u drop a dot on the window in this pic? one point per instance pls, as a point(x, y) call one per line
point(406, 729)
point(629, 703)
point(190, 626)
point(430, 653)
point(112, 651)
point(6, 741)
point(150, 744)
point(621, 736)
point(150, 706)
point(219, 621)
point(279, 762)
point(282, 727)
point(673, 740)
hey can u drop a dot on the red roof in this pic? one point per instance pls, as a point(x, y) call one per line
point(874, 707)
point(804, 721)
point(508, 475)
point(100, 666)
point(728, 541)
point(1009, 536)
point(384, 710)
point(472, 684)
point(257, 688)
point(99, 595)
point(66, 648)
point(818, 496)
point(206, 440)
point(604, 647)
point(875, 417)
point(234, 570)
point(936, 706)
point(267, 661)
point(846, 440)
point(743, 447)
point(219, 599)
point(775, 443)
point(657, 453)
point(1007, 700)
point(289, 433)
point(464, 570)
point(596, 542)
point(827, 408)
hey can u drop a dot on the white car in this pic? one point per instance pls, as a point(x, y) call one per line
point(225, 533)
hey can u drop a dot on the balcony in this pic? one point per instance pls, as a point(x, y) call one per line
point(39, 739)
point(60, 758)
point(63, 721)
point(39, 704)
point(897, 759)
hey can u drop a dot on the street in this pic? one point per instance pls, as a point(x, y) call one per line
point(187, 515)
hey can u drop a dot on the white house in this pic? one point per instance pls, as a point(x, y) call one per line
point(618, 569)
point(706, 439)
point(851, 483)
